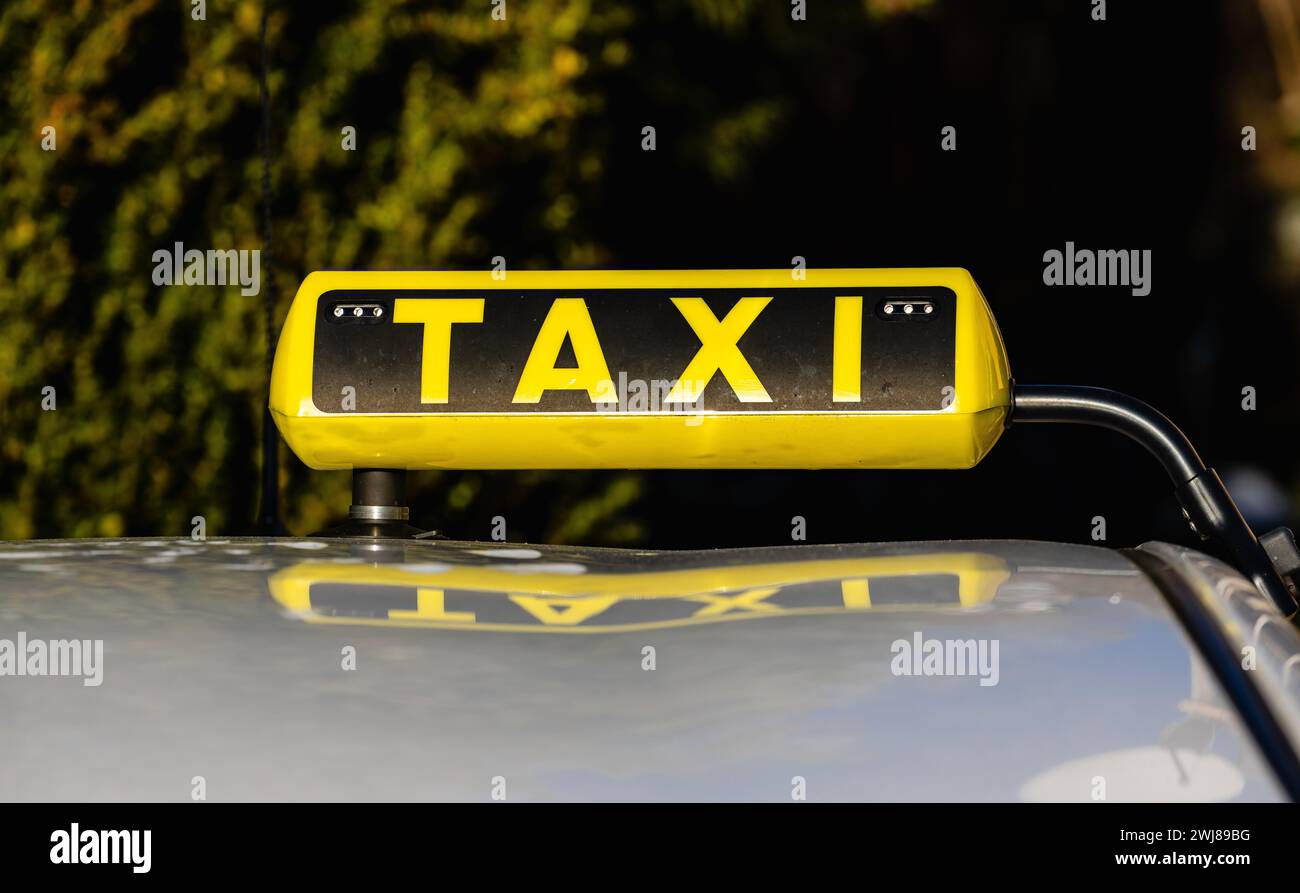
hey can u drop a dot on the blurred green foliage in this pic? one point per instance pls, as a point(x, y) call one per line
point(475, 137)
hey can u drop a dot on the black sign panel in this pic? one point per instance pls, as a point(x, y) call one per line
point(907, 350)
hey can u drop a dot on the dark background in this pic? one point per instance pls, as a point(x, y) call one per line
point(1110, 134)
point(775, 139)
point(1115, 134)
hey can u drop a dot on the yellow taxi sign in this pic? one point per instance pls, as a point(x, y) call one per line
point(888, 368)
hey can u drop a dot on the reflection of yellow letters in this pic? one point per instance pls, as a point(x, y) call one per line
point(749, 600)
point(857, 594)
point(437, 317)
point(718, 351)
point(429, 606)
point(568, 317)
point(559, 610)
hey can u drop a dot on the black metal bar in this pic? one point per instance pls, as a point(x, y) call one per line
point(1118, 412)
point(1206, 502)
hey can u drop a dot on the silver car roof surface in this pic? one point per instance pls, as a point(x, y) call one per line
point(210, 669)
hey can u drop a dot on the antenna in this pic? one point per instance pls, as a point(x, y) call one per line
point(269, 523)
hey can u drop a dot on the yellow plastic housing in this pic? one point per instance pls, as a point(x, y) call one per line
point(957, 436)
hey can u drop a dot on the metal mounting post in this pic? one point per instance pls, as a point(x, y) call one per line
point(1206, 503)
point(378, 506)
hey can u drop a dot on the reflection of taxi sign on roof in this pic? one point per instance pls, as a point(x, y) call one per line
point(500, 599)
point(386, 372)
point(846, 368)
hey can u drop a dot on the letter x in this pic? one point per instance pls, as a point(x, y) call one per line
point(749, 600)
point(718, 351)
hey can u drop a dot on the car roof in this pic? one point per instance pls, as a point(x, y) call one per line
point(605, 674)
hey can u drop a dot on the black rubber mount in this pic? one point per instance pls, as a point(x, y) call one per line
point(383, 488)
